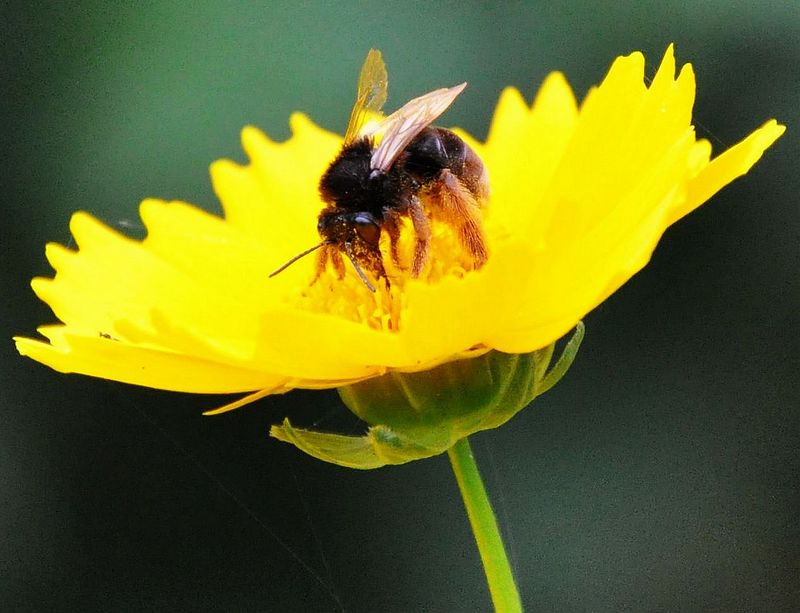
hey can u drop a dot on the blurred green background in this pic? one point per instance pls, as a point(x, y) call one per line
point(660, 475)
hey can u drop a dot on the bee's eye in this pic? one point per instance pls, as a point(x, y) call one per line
point(367, 228)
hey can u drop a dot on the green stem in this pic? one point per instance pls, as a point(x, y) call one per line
point(484, 526)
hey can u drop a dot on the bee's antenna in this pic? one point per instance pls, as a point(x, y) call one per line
point(297, 257)
point(360, 272)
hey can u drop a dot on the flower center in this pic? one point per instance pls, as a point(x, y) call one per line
point(351, 299)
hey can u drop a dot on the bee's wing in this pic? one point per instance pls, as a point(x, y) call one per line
point(400, 128)
point(373, 85)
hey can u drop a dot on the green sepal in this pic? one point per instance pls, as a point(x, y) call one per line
point(566, 359)
point(421, 414)
point(379, 447)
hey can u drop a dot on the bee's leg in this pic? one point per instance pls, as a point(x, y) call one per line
point(322, 261)
point(337, 261)
point(422, 229)
point(458, 208)
point(325, 253)
point(392, 224)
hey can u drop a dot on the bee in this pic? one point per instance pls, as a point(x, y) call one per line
point(415, 171)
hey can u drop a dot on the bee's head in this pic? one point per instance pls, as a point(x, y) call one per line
point(340, 228)
point(352, 233)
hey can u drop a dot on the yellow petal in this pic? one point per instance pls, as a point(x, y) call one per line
point(71, 352)
point(113, 283)
point(733, 163)
point(273, 198)
point(523, 150)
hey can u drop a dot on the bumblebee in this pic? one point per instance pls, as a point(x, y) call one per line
point(400, 168)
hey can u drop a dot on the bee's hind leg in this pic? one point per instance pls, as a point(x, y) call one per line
point(458, 208)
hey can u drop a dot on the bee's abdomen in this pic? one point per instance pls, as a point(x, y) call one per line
point(437, 149)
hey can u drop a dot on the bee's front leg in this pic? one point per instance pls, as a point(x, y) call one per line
point(325, 253)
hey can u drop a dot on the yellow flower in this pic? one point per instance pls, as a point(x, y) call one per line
point(580, 197)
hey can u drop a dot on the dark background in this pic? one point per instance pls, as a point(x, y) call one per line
point(660, 475)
